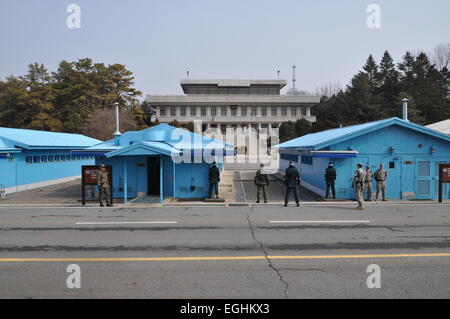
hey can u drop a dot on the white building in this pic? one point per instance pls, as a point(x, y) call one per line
point(238, 104)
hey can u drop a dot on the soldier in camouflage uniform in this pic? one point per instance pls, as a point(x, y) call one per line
point(358, 185)
point(103, 185)
point(380, 177)
point(368, 183)
point(261, 182)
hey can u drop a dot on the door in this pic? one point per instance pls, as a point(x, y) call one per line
point(153, 175)
point(424, 177)
point(393, 166)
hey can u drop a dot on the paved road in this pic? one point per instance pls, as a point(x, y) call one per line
point(319, 250)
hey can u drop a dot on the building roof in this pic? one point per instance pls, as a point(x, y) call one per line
point(161, 139)
point(13, 138)
point(442, 126)
point(233, 82)
point(220, 99)
point(317, 141)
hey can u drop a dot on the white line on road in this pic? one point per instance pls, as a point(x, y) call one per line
point(319, 221)
point(115, 223)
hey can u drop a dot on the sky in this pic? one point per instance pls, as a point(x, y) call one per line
point(159, 40)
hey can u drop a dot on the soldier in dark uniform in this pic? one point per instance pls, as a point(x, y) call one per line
point(261, 182)
point(292, 181)
point(214, 179)
point(103, 186)
point(330, 179)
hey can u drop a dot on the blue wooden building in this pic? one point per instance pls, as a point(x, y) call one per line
point(159, 162)
point(31, 159)
point(411, 155)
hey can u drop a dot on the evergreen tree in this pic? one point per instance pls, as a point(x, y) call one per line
point(302, 127)
point(287, 131)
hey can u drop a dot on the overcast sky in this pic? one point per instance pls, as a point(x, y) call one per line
point(159, 40)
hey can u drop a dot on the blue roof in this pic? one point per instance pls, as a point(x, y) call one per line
point(33, 139)
point(316, 141)
point(161, 139)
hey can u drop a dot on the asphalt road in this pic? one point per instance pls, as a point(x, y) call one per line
point(318, 251)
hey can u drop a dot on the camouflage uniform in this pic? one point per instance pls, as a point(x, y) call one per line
point(358, 184)
point(380, 177)
point(368, 184)
point(261, 182)
point(103, 184)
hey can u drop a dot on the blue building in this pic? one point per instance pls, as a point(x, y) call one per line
point(31, 159)
point(411, 155)
point(159, 162)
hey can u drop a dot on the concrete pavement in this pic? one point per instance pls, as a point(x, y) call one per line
point(292, 253)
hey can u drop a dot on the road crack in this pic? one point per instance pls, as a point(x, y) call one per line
point(261, 246)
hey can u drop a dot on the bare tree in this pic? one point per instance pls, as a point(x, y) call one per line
point(291, 91)
point(441, 56)
point(328, 89)
point(101, 124)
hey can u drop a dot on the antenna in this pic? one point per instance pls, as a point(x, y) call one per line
point(187, 73)
point(293, 78)
point(278, 74)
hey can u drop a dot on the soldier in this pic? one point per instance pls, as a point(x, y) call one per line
point(368, 183)
point(214, 179)
point(358, 184)
point(103, 184)
point(292, 181)
point(261, 181)
point(330, 179)
point(380, 177)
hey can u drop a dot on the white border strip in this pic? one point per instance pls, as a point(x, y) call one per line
point(118, 223)
point(318, 221)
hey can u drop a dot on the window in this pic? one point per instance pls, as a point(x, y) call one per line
point(243, 111)
point(203, 111)
point(63, 158)
point(233, 110)
point(36, 159)
point(173, 111)
point(254, 111)
point(307, 159)
point(283, 111)
point(56, 158)
point(50, 158)
point(293, 111)
point(304, 111)
point(67, 157)
point(29, 159)
point(391, 164)
point(223, 111)
point(264, 111)
point(44, 159)
point(273, 111)
point(213, 111)
point(162, 111)
point(183, 111)
point(193, 111)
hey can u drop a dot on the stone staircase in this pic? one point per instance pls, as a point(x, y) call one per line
point(226, 186)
